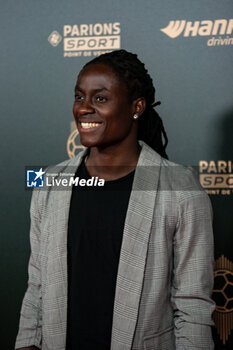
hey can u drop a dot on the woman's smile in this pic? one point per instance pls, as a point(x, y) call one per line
point(88, 127)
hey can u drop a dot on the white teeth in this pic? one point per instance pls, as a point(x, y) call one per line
point(89, 125)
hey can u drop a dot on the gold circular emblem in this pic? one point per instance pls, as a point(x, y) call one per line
point(73, 144)
point(223, 290)
point(223, 296)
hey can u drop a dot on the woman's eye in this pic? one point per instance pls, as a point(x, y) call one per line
point(78, 97)
point(100, 99)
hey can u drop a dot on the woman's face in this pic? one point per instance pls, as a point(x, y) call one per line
point(102, 110)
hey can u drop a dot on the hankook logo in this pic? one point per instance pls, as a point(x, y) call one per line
point(202, 28)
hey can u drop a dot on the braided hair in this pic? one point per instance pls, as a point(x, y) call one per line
point(132, 72)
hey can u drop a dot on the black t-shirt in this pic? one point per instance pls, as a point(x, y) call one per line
point(95, 228)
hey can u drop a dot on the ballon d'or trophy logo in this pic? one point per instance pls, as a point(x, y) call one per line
point(73, 143)
point(223, 296)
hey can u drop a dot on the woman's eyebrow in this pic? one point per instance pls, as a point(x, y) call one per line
point(99, 90)
point(77, 88)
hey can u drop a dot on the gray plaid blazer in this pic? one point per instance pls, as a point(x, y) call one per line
point(165, 273)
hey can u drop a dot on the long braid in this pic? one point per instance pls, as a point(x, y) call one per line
point(132, 72)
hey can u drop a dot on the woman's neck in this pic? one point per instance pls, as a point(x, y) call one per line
point(112, 163)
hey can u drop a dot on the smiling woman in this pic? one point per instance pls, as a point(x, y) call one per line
point(102, 110)
point(128, 265)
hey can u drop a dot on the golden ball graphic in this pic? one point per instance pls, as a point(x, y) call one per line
point(73, 144)
point(223, 296)
point(223, 290)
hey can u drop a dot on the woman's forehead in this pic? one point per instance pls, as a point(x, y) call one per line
point(97, 68)
point(97, 74)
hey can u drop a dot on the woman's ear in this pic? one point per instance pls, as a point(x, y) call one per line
point(139, 106)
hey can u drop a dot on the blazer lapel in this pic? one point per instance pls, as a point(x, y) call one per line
point(134, 249)
point(61, 206)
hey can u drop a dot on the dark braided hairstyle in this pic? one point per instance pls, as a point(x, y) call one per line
point(132, 72)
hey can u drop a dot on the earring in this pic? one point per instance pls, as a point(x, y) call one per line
point(135, 116)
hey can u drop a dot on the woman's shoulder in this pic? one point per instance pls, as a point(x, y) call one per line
point(173, 176)
point(183, 182)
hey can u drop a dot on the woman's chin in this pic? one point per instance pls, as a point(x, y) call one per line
point(87, 142)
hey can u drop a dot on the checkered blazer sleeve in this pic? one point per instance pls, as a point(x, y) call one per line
point(193, 272)
point(29, 333)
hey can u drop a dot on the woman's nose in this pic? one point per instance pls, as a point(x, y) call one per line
point(85, 107)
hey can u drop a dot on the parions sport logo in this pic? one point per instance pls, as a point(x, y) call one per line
point(219, 29)
point(216, 177)
point(87, 39)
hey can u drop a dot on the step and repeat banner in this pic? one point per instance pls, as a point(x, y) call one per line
point(188, 50)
